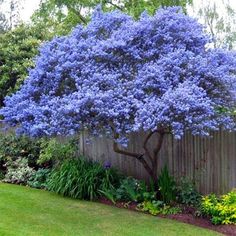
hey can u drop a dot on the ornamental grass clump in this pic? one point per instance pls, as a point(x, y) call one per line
point(82, 179)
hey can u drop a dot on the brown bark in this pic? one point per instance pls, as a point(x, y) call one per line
point(138, 156)
point(152, 156)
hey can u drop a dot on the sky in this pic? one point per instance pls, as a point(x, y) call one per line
point(28, 8)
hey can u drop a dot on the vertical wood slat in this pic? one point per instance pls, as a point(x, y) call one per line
point(210, 162)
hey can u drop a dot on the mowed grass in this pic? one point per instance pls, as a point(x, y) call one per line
point(25, 211)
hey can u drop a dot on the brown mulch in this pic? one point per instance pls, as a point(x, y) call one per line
point(187, 216)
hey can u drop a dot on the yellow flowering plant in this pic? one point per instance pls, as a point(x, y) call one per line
point(222, 210)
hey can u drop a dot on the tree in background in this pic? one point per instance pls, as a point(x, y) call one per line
point(2, 23)
point(220, 20)
point(10, 15)
point(18, 47)
point(14, 12)
point(3, 20)
point(62, 15)
point(117, 76)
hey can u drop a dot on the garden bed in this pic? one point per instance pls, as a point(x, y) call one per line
point(187, 216)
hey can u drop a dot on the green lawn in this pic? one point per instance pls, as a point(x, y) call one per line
point(25, 211)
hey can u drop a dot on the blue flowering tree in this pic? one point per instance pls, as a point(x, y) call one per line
point(117, 76)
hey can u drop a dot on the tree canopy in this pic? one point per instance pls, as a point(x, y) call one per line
point(62, 15)
point(19, 46)
point(118, 75)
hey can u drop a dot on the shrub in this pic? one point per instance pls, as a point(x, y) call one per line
point(39, 178)
point(2, 175)
point(158, 207)
point(187, 193)
point(18, 171)
point(131, 190)
point(80, 178)
point(167, 186)
point(52, 151)
point(222, 210)
point(14, 147)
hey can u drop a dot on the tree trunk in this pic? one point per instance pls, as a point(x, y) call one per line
point(149, 158)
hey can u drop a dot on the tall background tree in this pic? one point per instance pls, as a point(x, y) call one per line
point(219, 17)
point(10, 14)
point(18, 47)
point(3, 20)
point(62, 15)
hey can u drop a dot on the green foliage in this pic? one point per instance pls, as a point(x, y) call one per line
point(131, 190)
point(220, 26)
point(60, 16)
point(110, 194)
point(80, 178)
point(14, 147)
point(222, 210)
point(18, 171)
point(54, 151)
point(2, 175)
point(18, 47)
point(187, 193)
point(39, 178)
point(158, 207)
point(167, 186)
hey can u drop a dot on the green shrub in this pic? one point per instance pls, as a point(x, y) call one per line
point(53, 151)
point(2, 175)
point(83, 179)
point(18, 171)
point(167, 186)
point(222, 210)
point(130, 189)
point(39, 178)
point(14, 147)
point(187, 193)
point(158, 207)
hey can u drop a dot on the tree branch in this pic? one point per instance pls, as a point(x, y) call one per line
point(83, 19)
point(138, 156)
point(125, 152)
point(145, 146)
point(115, 5)
point(157, 149)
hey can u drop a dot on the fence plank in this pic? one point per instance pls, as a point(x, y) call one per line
point(210, 162)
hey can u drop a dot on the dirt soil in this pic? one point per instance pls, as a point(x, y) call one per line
point(187, 216)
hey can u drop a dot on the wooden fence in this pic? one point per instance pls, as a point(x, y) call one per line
point(210, 162)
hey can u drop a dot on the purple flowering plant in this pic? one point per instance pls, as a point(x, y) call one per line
point(118, 75)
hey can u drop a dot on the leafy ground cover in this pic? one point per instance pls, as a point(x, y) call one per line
point(26, 211)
